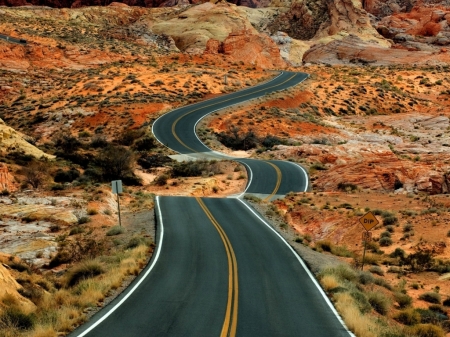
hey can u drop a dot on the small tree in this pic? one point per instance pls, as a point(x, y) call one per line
point(35, 173)
point(116, 162)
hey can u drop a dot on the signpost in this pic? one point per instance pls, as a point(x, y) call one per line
point(116, 189)
point(368, 221)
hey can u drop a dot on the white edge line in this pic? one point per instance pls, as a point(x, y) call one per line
point(114, 308)
point(250, 180)
point(302, 263)
point(304, 172)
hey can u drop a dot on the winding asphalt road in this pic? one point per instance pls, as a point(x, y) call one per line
point(219, 269)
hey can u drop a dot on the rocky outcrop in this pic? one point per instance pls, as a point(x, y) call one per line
point(6, 179)
point(9, 288)
point(11, 140)
point(351, 49)
point(418, 29)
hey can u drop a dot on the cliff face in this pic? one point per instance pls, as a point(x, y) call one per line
point(140, 3)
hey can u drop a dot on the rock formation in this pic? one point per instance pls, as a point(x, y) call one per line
point(6, 179)
point(9, 288)
point(11, 140)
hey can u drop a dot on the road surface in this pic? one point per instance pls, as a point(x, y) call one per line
point(219, 268)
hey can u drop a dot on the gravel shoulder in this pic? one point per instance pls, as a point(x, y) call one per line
point(315, 261)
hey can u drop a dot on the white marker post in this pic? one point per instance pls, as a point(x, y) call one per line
point(117, 188)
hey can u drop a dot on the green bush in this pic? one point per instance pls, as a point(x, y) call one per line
point(365, 277)
point(389, 220)
point(403, 300)
point(88, 269)
point(426, 330)
point(84, 219)
point(137, 241)
point(116, 230)
point(431, 297)
point(361, 300)
point(379, 302)
point(385, 234)
point(161, 180)
point(76, 230)
point(408, 317)
point(376, 270)
point(385, 241)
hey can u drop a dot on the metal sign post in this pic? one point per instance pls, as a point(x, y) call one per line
point(117, 188)
point(368, 221)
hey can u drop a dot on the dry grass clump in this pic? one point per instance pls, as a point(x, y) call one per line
point(366, 302)
point(356, 298)
point(327, 246)
point(60, 306)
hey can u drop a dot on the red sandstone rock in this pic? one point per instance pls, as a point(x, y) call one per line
point(6, 179)
point(259, 50)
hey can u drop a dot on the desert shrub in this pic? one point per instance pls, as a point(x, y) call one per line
point(115, 162)
point(195, 168)
point(421, 260)
point(390, 220)
point(346, 187)
point(403, 300)
point(235, 141)
point(341, 251)
point(365, 277)
point(446, 302)
point(62, 176)
point(74, 251)
point(85, 270)
point(342, 272)
point(385, 241)
point(83, 219)
point(99, 142)
point(66, 142)
point(382, 283)
point(15, 318)
point(144, 144)
point(430, 297)
point(361, 301)
point(376, 270)
point(408, 317)
point(19, 266)
point(116, 230)
point(60, 258)
point(136, 241)
point(271, 141)
point(76, 230)
point(430, 316)
point(161, 180)
point(92, 211)
point(407, 228)
point(438, 309)
point(426, 330)
point(398, 252)
point(323, 245)
point(390, 228)
point(379, 302)
point(155, 160)
point(128, 137)
point(385, 234)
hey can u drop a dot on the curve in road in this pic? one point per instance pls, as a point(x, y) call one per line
point(267, 179)
point(220, 269)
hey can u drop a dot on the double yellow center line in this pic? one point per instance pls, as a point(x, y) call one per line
point(277, 185)
point(230, 322)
